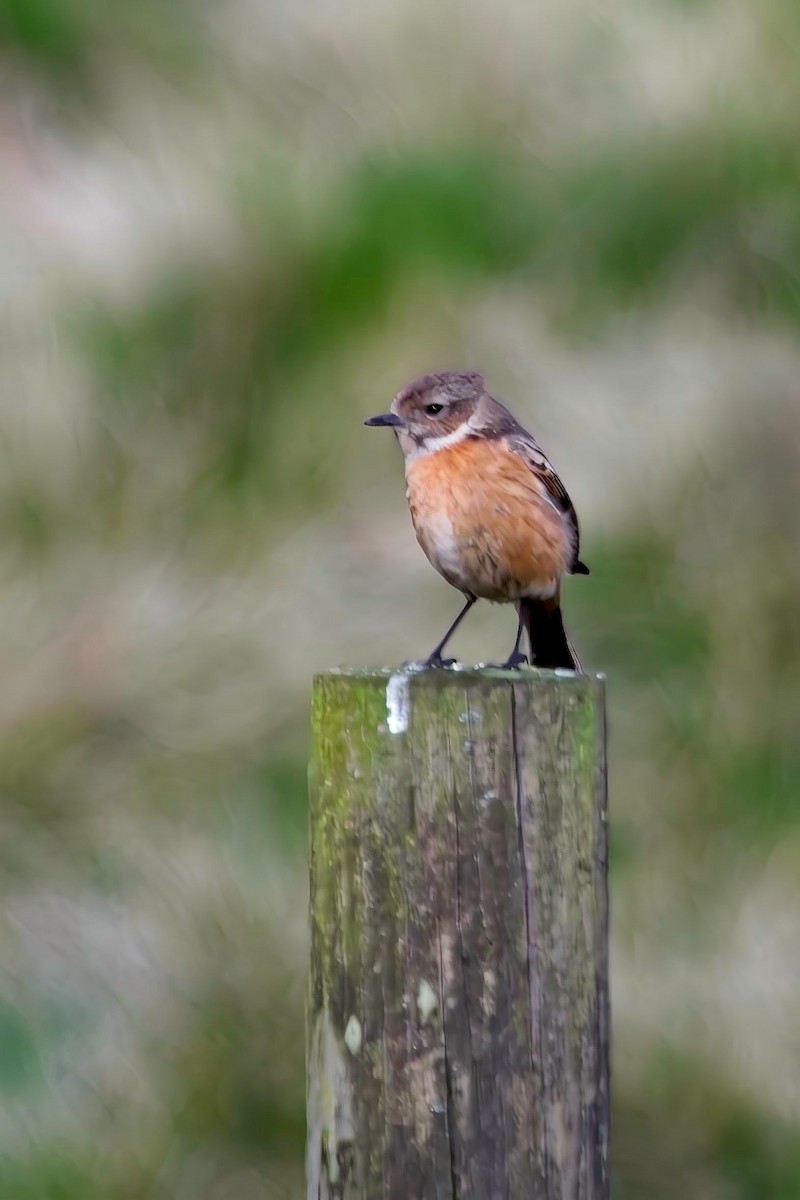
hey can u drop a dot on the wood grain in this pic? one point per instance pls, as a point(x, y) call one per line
point(458, 1005)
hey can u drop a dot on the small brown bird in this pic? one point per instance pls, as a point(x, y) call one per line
point(488, 509)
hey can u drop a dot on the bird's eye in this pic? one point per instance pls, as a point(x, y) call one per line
point(433, 409)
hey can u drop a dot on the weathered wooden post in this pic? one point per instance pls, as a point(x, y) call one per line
point(458, 1011)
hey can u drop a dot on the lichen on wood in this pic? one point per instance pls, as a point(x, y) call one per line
point(458, 1004)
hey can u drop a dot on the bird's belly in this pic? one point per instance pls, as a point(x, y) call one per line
point(487, 547)
point(444, 549)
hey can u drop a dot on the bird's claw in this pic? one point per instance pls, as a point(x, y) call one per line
point(436, 660)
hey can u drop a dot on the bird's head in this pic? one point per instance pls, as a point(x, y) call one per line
point(433, 411)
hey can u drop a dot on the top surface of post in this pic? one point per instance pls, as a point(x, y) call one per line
point(479, 673)
point(403, 682)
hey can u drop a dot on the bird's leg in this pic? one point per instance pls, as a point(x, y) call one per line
point(435, 659)
point(516, 658)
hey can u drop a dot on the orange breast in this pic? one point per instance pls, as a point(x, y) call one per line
point(482, 518)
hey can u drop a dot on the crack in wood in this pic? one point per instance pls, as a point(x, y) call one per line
point(450, 1107)
point(537, 1034)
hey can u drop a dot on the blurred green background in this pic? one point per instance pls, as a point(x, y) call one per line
point(229, 232)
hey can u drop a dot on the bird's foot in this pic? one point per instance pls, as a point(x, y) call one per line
point(511, 664)
point(436, 660)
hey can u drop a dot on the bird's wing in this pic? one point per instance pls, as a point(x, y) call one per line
point(522, 443)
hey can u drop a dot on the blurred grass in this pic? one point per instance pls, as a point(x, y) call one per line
point(298, 213)
point(229, 353)
point(68, 43)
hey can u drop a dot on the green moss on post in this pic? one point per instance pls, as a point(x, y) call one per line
point(458, 1009)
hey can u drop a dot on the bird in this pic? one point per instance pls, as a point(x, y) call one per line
point(488, 510)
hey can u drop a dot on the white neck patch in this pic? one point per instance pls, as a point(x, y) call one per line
point(432, 445)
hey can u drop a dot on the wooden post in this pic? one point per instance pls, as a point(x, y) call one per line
point(458, 1011)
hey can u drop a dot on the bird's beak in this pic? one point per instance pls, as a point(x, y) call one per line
point(385, 419)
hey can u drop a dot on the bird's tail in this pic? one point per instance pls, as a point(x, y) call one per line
point(550, 644)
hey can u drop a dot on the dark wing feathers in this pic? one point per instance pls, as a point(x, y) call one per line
point(525, 445)
point(495, 421)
